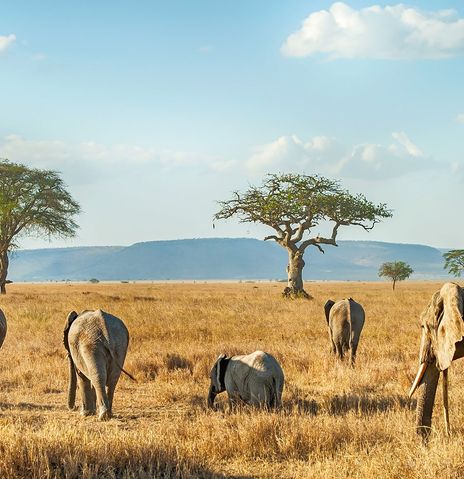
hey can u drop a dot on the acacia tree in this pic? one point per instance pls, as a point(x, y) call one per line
point(293, 205)
point(454, 261)
point(396, 271)
point(32, 202)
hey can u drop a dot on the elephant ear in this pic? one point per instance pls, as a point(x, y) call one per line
point(451, 324)
point(327, 308)
point(221, 367)
point(67, 326)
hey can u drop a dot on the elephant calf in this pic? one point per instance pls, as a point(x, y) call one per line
point(345, 319)
point(2, 327)
point(96, 342)
point(255, 379)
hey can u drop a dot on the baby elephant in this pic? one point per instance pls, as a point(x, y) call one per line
point(345, 319)
point(96, 342)
point(255, 379)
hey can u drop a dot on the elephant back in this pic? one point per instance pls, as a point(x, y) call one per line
point(99, 326)
point(3, 327)
point(263, 364)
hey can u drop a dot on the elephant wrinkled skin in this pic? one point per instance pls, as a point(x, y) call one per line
point(255, 379)
point(97, 343)
point(345, 319)
point(442, 342)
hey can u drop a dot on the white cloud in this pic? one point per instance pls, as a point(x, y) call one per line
point(327, 156)
point(390, 32)
point(81, 162)
point(460, 118)
point(6, 41)
point(288, 152)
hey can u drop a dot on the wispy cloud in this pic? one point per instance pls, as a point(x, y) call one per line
point(6, 41)
point(390, 32)
point(460, 118)
point(326, 155)
point(82, 161)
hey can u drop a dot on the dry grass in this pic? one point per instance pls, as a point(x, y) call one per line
point(336, 422)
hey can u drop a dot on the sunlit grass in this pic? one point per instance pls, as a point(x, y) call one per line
point(335, 421)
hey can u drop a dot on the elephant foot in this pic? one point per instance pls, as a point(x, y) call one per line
point(87, 412)
point(104, 415)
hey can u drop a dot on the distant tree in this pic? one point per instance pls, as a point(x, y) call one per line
point(293, 205)
point(454, 261)
point(94, 280)
point(32, 202)
point(396, 271)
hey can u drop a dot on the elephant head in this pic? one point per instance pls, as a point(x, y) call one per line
point(442, 328)
point(217, 376)
point(327, 308)
point(72, 370)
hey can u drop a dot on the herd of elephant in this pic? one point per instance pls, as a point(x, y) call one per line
point(96, 343)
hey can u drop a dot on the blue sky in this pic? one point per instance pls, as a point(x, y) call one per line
point(154, 110)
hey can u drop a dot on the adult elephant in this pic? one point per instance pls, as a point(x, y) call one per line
point(441, 343)
point(3, 327)
point(255, 379)
point(345, 319)
point(96, 342)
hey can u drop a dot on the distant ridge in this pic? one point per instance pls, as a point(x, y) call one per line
point(219, 258)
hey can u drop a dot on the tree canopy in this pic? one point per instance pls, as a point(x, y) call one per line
point(32, 202)
point(396, 271)
point(454, 261)
point(293, 205)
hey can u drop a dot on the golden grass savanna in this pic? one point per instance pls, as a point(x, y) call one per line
point(336, 421)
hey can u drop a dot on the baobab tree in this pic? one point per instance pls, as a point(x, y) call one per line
point(293, 205)
point(32, 202)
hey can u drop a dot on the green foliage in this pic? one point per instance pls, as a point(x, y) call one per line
point(396, 270)
point(33, 202)
point(293, 204)
point(454, 261)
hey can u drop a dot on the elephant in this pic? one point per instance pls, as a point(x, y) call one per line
point(442, 342)
point(255, 379)
point(3, 327)
point(96, 343)
point(345, 319)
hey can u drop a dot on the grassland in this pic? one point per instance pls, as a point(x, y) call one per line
point(336, 422)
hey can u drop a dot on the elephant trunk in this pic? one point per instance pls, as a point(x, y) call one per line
point(425, 402)
point(72, 383)
point(211, 396)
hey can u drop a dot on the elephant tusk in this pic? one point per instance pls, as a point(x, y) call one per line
point(445, 401)
point(417, 381)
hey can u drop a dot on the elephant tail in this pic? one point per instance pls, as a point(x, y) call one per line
point(115, 359)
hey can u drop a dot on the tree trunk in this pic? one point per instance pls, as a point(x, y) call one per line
point(425, 401)
point(3, 270)
point(295, 267)
point(394, 282)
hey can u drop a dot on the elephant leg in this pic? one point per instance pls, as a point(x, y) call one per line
point(99, 381)
point(113, 378)
point(88, 397)
point(234, 401)
point(354, 348)
point(340, 352)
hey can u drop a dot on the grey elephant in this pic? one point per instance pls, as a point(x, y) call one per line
point(96, 343)
point(345, 319)
point(3, 327)
point(255, 379)
point(442, 342)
